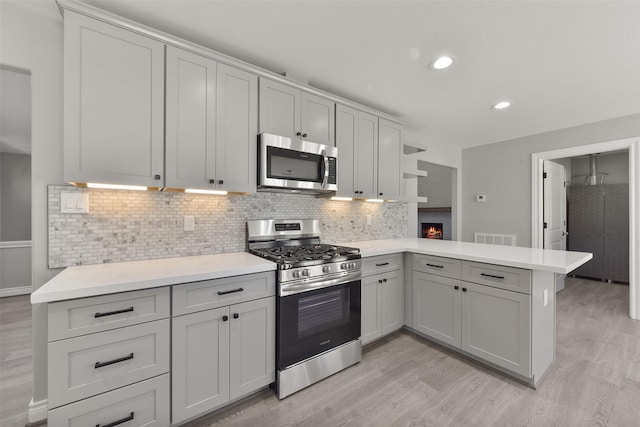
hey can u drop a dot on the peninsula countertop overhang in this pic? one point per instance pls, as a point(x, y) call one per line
point(100, 279)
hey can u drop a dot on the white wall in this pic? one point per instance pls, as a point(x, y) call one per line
point(31, 38)
point(15, 197)
point(502, 171)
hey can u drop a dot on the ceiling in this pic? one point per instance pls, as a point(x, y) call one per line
point(562, 64)
point(15, 111)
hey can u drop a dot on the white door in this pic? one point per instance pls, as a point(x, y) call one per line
point(555, 213)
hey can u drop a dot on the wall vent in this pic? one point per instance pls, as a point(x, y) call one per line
point(495, 239)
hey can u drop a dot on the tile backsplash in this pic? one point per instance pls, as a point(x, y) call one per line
point(137, 225)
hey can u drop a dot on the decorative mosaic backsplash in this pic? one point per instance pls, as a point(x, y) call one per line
point(137, 225)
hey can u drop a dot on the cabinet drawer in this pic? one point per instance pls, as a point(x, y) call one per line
point(380, 264)
point(142, 404)
point(447, 267)
point(498, 276)
point(198, 296)
point(84, 366)
point(96, 314)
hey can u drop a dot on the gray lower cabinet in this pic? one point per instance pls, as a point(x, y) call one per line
point(382, 297)
point(220, 355)
point(487, 322)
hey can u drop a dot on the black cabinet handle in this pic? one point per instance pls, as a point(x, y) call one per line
point(384, 280)
point(491, 275)
point(382, 264)
point(111, 362)
point(380, 194)
point(464, 289)
point(298, 133)
point(230, 292)
point(435, 266)
point(379, 280)
point(361, 192)
point(212, 181)
point(111, 313)
point(115, 423)
point(221, 181)
point(304, 135)
point(225, 318)
point(156, 177)
point(236, 315)
point(456, 287)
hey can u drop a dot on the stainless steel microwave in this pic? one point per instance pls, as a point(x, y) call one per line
point(290, 165)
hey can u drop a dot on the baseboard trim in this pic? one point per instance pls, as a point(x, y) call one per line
point(10, 292)
point(37, 412)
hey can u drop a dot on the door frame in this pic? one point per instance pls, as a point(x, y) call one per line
point(537, 214)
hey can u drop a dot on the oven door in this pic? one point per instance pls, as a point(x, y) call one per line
point(301, 165)
point(312, 322)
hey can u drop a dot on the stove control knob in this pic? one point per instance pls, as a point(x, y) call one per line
point(296, 274)
point(305, 272)
point(343, 266)
point(352, 264)
point(326, 269)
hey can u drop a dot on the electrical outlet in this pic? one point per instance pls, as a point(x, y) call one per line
point(189, 223)
point(369, 219)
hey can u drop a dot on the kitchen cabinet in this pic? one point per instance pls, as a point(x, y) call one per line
point(369, 151)
point(211, 124)
point(382, 297)
point(488, 319)
point(113, 104)
point(290, 112)
point(223, 353)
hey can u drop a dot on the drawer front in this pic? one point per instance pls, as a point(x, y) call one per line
point(142, 404)
point(96, 314)
point(208, 294)
point(498, 276)
point(380, 264)
point(85, 366)
point(440, 266)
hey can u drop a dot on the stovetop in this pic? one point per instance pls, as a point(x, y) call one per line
point(289, 256)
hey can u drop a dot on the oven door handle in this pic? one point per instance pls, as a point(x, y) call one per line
point(305, 285)
point(325, 168)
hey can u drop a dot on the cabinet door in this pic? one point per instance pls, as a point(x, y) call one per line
point(237, 129)
point(317, 120)
point(392, 301)
point(200, 364)
point(190, 120)
point(346, 138)
point(279, 109)
point(496, 326)
point(114, 104)
point(436, 307)
point(370, 320)
point(366, 156)
point(389, 149)
point(253, 346)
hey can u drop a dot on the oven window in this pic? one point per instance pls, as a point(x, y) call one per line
point(322, 311)
point(291, 164)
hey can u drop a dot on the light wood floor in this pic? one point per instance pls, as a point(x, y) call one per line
point(405, 381)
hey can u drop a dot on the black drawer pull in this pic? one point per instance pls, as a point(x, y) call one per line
point(382, 264)
point(230, 292)
point(435, 266)
point(384, 280)
point(111, 313)
point(491, 275)
point(111, 362)
point(236, 315)
point(456, 287)
point(115, 423)
point(225, 318)
point(464, 289)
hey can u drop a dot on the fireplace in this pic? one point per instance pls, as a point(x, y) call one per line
point(432, 230)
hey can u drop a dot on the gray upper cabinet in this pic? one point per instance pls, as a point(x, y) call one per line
point(389, 149)
point(287, 111)
point(211, 121)
point(114, 104)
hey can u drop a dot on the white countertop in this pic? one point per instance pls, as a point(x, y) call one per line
point(100, 279)
point(511, 256)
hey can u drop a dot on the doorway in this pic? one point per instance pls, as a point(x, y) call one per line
point(632, 145)
point(15, 181)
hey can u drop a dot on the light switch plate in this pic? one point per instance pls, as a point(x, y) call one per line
point(74, 202)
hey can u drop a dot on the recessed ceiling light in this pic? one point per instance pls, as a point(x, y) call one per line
point(442, 63)
point(501, 105)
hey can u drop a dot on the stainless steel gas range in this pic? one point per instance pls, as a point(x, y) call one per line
point(318, 304)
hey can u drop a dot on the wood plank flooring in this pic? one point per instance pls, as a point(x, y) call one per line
point(405, 381)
